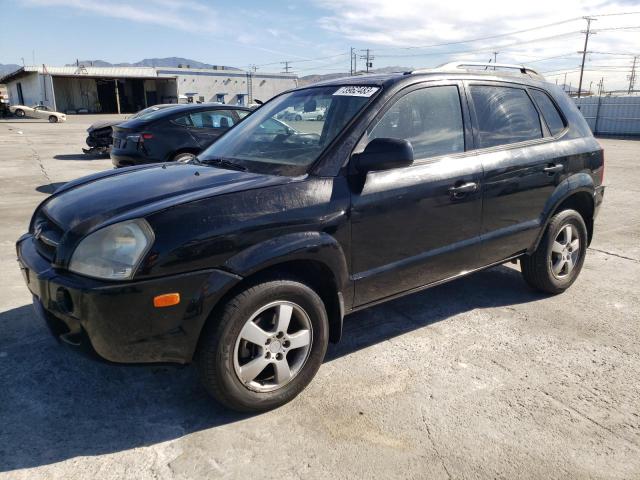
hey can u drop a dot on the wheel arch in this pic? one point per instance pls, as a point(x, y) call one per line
point(178, 151)
point(577, 193)
point(313, 258)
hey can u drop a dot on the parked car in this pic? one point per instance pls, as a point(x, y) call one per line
point(100, 138)
point(174, 134)
point(293, 115)
point(37, 111)
point(247, 259)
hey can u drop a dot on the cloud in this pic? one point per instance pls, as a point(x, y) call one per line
point(397, 29)
point(186, 15)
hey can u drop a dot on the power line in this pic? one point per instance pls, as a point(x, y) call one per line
point(368, 58)
point(489, 49)
point(287, 68)
point(490, 37)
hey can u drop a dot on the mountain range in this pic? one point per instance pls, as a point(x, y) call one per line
point(150, 62)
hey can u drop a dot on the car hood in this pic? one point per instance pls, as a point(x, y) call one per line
point(86, 204)
point(103, 124)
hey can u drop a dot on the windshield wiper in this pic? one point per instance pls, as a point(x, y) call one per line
point(222, 162)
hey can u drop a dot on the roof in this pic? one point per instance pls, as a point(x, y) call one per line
point(132, 72)
point(387, 79)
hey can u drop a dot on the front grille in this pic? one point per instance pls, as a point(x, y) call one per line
point(47, 236)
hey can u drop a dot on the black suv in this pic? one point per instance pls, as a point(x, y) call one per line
point(177, 133)
point(248, 258)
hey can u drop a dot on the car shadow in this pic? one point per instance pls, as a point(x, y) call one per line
point(49, 187)
point(81, 156)
point(56, 405)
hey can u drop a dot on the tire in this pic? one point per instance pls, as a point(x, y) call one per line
point(19, 113)
point(224, 353)
point(298, 118)
point(557, 261)
point(184, 157)
point(319, 117)
point(53, 119)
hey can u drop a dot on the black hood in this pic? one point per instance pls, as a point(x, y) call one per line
point(88, 203)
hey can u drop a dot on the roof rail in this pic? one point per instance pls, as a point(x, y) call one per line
point(478, 66)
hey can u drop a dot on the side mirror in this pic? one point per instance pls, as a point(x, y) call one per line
point(384, 154)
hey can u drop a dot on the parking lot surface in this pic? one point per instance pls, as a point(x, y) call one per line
point(479, 378)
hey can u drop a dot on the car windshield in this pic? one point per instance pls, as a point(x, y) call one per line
point(288, 134)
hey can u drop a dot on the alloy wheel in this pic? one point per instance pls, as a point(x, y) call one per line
point(273, 346)
point(565, 251)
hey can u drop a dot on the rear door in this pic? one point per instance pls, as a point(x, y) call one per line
point(520, 163)
point(207, 125)
point(416, 225)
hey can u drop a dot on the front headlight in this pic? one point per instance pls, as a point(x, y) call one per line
point(113, 252)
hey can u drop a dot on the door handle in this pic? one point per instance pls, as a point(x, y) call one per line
point(461, 189)
point(551, 168)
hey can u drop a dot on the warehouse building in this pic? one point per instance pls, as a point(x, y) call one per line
point(80, 89)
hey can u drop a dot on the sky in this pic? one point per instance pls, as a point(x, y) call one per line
point(315, 35)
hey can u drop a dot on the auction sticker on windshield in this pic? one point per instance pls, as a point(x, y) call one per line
point(356, 91)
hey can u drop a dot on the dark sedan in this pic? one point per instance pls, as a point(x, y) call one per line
point(174, 134)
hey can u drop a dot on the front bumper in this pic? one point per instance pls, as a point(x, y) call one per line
point(119, 318)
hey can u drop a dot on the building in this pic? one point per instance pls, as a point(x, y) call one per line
point(80, 89)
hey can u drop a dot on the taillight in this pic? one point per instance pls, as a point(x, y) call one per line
point(147, 136)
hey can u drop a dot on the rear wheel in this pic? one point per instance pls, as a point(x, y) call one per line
point(557, 261)
point(298, 118)
point(19, 113)
point(184, 157)
point(265, 347)
point(53, 119)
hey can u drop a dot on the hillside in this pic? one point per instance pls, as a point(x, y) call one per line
point(151, 62)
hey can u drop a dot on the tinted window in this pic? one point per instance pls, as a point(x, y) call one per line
point(430, 118)
point(183, 120)
point(505, 115)
point(549, 111)
point(270, 141)
point(212, 119)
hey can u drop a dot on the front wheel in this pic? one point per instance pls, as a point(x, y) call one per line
point(53, 119)
point(557, 261)
point(19, 113)
point(265, 346)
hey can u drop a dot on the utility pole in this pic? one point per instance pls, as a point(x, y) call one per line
point(632, 77)
point(495, 59)
point(287, 68)
point(351, 54)
point(584, 51)
point(564, 82)
point(368, 58)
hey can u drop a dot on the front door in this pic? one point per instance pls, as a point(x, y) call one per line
point(208, 125)
point(416, 225)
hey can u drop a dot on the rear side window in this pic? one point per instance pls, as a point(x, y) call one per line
point(430, 118)
point(212, 119)
point(549, 111)
point(505, 115)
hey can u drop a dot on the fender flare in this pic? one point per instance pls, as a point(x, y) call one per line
point(580, 182)
point(314, 246)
